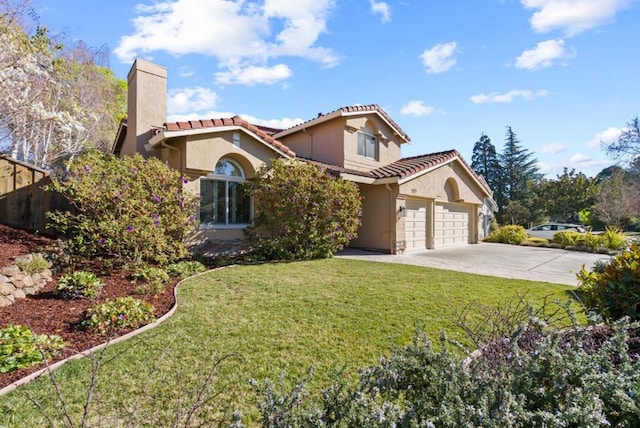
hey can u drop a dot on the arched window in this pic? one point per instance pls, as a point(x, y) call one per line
point(367, 143)
point(223, 200)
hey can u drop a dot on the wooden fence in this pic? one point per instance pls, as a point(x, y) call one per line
point(23, 200)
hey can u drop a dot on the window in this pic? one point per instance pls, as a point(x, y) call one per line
point(223, 201)
point(367, 143)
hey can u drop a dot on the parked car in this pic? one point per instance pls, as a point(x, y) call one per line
point(547, 231)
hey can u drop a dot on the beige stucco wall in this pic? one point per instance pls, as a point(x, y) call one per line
point(433, 185)
point(388, 148)
point(322, 142)
point(379, 222)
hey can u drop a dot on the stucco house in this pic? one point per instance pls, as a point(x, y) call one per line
point(413, 203)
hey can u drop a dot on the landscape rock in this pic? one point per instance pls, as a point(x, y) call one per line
point(6, 289)
point(11, 270)
point(5, 302)
point(18, 283)
point(19, 294)
point(3, 279)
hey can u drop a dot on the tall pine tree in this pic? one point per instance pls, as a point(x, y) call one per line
point(518, 168)
point(484, 161)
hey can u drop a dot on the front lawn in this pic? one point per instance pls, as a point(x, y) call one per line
point(262, 320)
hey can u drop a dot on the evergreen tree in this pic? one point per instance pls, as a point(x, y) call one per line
point(518, 168)
point(484, 161)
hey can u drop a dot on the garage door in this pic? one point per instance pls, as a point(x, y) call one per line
point(415, 225)
point(451, 224)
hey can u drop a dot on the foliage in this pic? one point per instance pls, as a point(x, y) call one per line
point(131, 209)
point(78, 285)
point(627, 145)
point(302, 211)
point(55, 101)
point(36, 264)
point(516, 213)
point(563, 198)
point(185, 268)
point(120, 313)
point(153, 279)
point(511, 234)
point(617, 201)
point(20, 347)
point(612, 289)
point(613, 238)
point(484, 161)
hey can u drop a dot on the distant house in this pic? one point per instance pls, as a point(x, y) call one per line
point(413, 203)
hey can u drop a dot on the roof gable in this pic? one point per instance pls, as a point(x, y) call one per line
point(348, 111)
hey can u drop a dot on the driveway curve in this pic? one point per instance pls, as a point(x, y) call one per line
point(508, 261)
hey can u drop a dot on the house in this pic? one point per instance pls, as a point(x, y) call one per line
point(413, 203)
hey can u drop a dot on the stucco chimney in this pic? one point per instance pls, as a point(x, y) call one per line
point(147, 104)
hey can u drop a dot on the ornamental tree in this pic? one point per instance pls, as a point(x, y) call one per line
point(131, 209)
point(302, 211)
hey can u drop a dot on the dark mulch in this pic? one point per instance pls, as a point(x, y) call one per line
point(45, 314)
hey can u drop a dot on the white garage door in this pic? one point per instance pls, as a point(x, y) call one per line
point(415, 225)
point(451, 224)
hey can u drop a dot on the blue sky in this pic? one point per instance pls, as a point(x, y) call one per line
point(564, 74)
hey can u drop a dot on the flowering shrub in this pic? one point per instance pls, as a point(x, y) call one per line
point(133, 209)
point(20, 347)
point(613, 288)
point(80, 284)
point(302, 211)
point(119, 313)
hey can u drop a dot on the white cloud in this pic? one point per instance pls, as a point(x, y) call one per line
point(508, 97)
point(185, 71)
point(252, 75)
point(572, 16)
point(238, 34)
point(439, 58)
point(553, 148)
point(609, 135)
point(417, 108)
point(381, 8)
point(283, 123)
point(543, 55)
point(190, 99)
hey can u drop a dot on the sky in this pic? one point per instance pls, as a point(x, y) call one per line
point(563, 74)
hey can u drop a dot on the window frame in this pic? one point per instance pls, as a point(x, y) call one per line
point(216, 178)
point(367, 135)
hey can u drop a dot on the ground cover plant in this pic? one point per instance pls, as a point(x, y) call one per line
point(257, 321)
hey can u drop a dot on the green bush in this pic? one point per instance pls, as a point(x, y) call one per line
point(302, 212)
point(131, 209)
point(185, 268)
point(614, 239)
point(35, 265)
point(510, 234)
point(537, 377)
point(153, 279)
point(613, 289)
point(20, 347)
point(78, 285)
point(120, 313)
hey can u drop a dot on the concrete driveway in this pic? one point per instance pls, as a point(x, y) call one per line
point(508, 261)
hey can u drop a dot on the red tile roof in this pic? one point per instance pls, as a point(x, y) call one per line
point(370, 108)
point(230, 121)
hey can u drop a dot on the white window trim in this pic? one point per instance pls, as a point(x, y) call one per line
point(377, 145)
point(226, 178)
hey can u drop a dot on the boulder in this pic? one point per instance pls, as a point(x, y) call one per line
point(19, 294)
point(6, 289)
point(5, 302)
point(3, 279)
point(11, 270)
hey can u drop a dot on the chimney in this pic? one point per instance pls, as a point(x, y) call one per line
point(147, 105)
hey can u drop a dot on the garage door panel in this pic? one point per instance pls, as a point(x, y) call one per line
point(451, 224)
point(415, 225)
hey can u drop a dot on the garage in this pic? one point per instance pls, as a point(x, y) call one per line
point(415, 224)
point(451, 224)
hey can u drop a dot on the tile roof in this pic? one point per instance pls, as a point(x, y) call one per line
point(370, 108)
point(262, 132)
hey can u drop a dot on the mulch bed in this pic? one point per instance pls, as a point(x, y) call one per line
point(46, 314)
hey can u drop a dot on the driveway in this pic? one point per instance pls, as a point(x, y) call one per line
point(508, 261)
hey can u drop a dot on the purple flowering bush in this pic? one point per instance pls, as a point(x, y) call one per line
point(130, 209)
point(302, 212)
point(118, 313)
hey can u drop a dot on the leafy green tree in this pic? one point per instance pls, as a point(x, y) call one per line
point(516, 213)
point(484, 161)
point(518, 168)
point(567, 195)
point(302, 211)
point(616, 202)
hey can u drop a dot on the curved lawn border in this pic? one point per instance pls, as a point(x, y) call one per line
point(50, 368)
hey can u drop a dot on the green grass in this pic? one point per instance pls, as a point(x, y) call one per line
point(267, 319)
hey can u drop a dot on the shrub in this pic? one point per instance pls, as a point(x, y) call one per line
point(20, 347)
point(510, 234)
point(35, 264)
point(132, 209)
point(78, 285)
point(302, 211)
point(185, 268)
point(614, 239)
point(613, 289)
point(537, 377)
point(153, 279)
point(120, 313)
